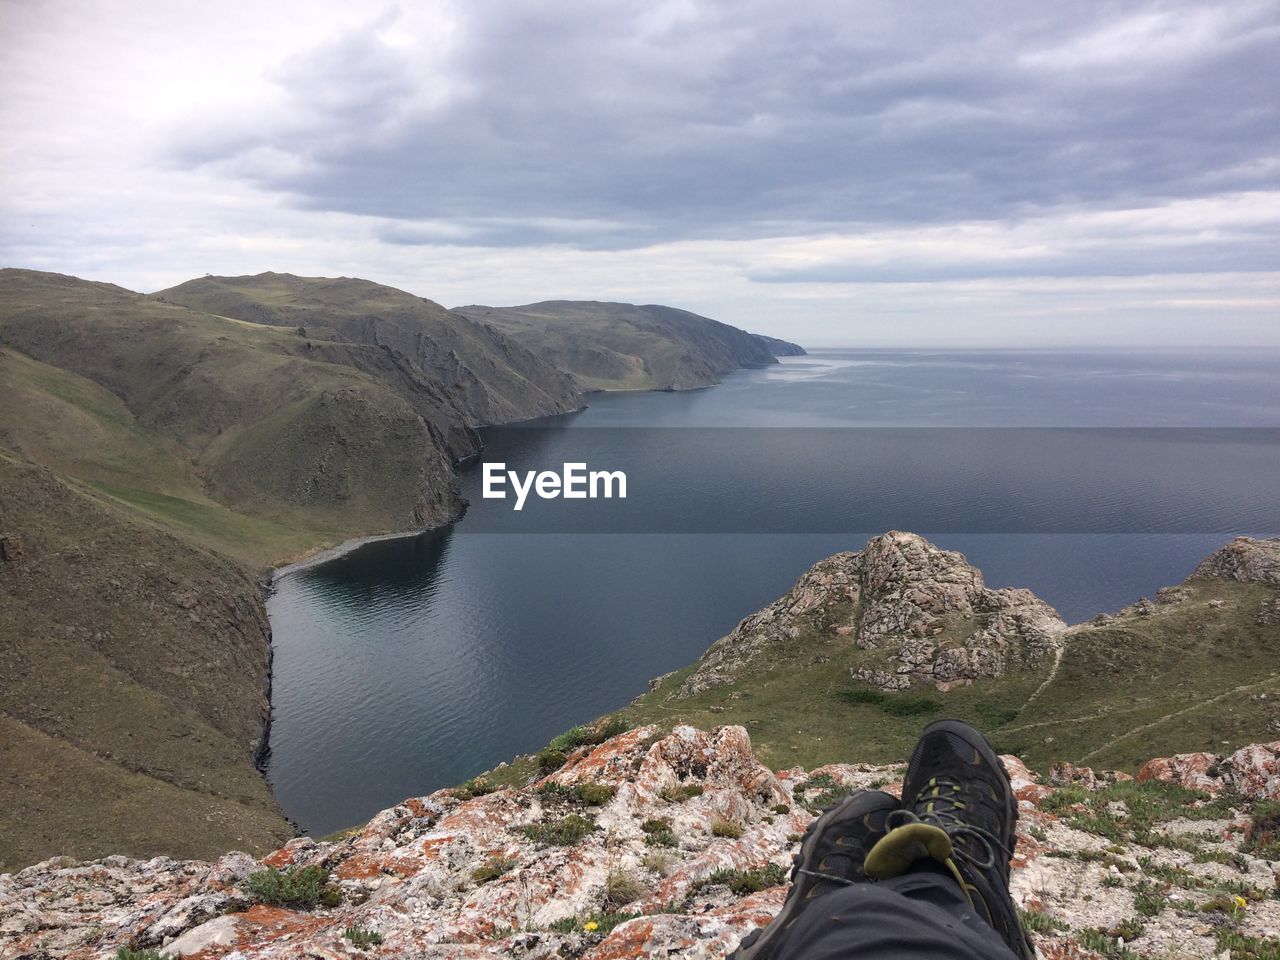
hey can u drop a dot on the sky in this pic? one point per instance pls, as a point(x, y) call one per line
point(890, 173)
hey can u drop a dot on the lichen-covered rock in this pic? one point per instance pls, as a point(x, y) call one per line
point(410, 876)
point(1246, 559)
point(1253, 771)
point(922, 614)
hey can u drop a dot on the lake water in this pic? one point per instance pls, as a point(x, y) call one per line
point(1092, 478)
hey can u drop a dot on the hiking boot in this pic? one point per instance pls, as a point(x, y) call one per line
point(959, 810)
point(830, 857)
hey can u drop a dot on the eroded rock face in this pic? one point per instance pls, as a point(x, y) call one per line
point(924, 613)
point(1245, 559)
point(410, 875)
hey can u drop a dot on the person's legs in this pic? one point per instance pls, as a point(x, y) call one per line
point(928, 878)
point(830, 859)
point(918, 915)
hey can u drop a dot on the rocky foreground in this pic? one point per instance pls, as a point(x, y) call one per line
point(675, 846)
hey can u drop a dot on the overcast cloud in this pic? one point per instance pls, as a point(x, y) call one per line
point(881, 173)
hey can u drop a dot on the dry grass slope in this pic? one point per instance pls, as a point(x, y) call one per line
point(619, 346)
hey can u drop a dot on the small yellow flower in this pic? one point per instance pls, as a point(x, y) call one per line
point(592, 925)
point(1240, 902)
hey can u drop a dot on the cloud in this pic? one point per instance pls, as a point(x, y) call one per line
point(638, 123)
point(805, 169)
point(1239, 232)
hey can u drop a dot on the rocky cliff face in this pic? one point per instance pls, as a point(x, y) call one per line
point(1244, 559)
point(676, 846)
point(922, 614)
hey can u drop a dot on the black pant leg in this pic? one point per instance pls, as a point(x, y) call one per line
point(918, 915)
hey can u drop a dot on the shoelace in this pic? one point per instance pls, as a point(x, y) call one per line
point(944, 806)
point(819, 875)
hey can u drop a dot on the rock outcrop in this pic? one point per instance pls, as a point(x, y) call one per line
point(1252, 771)
point(1245, 559)
point(670, 846)
point(922, 613)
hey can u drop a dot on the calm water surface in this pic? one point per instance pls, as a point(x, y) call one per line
point(412, 664)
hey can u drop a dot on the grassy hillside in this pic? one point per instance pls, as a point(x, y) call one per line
point(1191, 677)
point(620, 346)
point(249, 438)
point(1198, 672)
point(485, 376)
point(133, 683)
point(154, 459)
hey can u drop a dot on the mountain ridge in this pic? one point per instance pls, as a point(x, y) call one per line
point(607, 345)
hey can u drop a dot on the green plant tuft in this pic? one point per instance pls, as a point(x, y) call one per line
point(492, 869)
point(622, 887)
point(741, 882)
point(549, 761)
point(1038, 921)
point(564, 832)
point(658, 832)
point(720, 827)
point(681, 792)
point(361, 938)
point(303, 887)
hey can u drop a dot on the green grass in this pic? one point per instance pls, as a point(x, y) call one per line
point(300, 887)
point(361, 938)
point(681, 793)
point(622, 887)
point(1130, 812)
point(127, 953)
point(721, 827)
point(591, 735)
point(1037, 921)
point(595, 924)
point(470, 789)
point(564, 832)
point(741, 882)
point(894, 704)
point(1149, 899)
point(549, 761)
point(1263, 836)
point(1104, 944)
point(1134, 689)
point(492, 869)
point(820, 792)
point(658, 832)
point(580, 794)
point(1247, 948)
